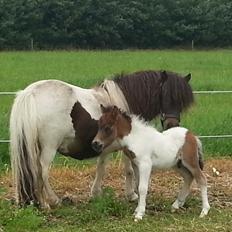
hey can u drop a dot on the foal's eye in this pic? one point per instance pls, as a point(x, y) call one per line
point(107, 130)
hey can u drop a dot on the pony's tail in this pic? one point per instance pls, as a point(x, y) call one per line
point(200, 153)
point(25, 150)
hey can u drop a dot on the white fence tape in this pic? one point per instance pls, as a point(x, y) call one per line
point(195, 92)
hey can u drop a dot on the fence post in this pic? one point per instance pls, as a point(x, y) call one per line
point(192, 45)
point(32, 44)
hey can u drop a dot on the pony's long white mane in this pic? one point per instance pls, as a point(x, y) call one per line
point(115, 95)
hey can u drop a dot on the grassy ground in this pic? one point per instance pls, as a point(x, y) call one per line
point(112, 212)
point(211, 70)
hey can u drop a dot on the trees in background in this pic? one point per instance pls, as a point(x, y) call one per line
point(115, 24)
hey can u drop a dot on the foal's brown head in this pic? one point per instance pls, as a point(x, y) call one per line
point(113, 124)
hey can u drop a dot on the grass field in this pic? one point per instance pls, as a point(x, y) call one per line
point(212, 114)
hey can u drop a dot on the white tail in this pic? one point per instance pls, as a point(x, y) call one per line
point(25, 151)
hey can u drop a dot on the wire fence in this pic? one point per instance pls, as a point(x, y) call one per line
point(195, 92)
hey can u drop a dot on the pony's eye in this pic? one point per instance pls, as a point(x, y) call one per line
point(107, 130)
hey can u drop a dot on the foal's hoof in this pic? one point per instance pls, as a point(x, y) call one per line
point(139, 214)
point(175, 207)
point(173, 210)
point(138, 218)
point(204, 212)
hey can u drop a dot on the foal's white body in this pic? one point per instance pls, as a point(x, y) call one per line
point(157, 150)
point(161, 148)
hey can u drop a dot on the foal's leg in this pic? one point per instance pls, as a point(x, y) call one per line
point(202, 182)
point(185, 190)
point(101, 166)
point(144, 175)
point(130, 184)
point(47, 156)
point(136, 174)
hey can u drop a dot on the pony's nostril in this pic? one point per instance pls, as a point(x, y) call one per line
point(97, 146)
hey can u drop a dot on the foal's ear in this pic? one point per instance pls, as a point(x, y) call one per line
point(188, 77)
point(115, 111)
point(103, 109)
point(164, 77)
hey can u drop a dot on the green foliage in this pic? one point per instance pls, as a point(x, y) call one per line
point(94, 216)
point(105, 206)
point(19, 219)
point(114, 24)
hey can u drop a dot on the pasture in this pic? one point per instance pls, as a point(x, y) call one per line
point(211, 115)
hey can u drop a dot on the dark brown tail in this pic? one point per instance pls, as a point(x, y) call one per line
point(200, 153)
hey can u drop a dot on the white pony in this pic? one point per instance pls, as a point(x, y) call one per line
point(52, 116)
point(147, 148)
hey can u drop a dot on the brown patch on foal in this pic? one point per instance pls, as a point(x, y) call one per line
point(189, 154)
point(123, 125)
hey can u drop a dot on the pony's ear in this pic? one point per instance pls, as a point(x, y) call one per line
point(188, 77)
point(103, 108)
point(164, 77)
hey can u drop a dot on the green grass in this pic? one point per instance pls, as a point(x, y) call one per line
point(109, 213)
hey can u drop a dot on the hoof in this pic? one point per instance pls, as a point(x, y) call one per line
point(138, 218)
point(203, 213)
point(174, 210)
point(139, 214)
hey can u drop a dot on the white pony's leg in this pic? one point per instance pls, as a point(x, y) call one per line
point(47, 156)
point(185, 190)
point(100, 172)
point(130, 183)
point(144, 175)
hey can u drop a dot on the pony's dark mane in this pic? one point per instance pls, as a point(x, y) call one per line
point(142, 91)
point(178, 90)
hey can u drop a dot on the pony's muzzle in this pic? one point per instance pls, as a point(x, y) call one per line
point(97, 146)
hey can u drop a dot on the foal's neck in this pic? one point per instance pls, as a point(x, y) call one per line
point(139, 131)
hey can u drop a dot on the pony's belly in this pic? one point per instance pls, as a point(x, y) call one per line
point(164, 162)
point(74, 148)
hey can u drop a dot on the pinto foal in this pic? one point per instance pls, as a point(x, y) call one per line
point(147, 148)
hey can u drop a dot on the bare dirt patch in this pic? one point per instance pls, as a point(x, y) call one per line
point(77, 182)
